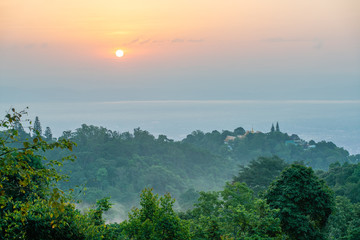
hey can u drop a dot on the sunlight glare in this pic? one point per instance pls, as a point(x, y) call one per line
point(119, 53)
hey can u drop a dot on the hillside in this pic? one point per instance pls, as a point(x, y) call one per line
point(267, 199)
point(120, 165)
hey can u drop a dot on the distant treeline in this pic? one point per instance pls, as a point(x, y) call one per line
point(122, 164)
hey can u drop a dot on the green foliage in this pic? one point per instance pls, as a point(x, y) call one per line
point(31, 204)
point(305, 202)
point(102, 206)
point(239, 131)
point(188, 199)
point(122, 164)
point(24, 173)
point(259, 173)
point(254, 145)
point(344, 222)
point(155, 219)
point(38, 220)
point(344, 180)
point(233, 213)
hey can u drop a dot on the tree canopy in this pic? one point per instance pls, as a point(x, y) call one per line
point(296, 205)
point(305, 202)
point(259, 173)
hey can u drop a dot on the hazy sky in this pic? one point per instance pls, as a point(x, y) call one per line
point(211, 50)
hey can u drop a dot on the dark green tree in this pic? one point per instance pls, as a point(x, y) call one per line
point(272, 128)
point(305, 202)
point(48, 133)
point(259, 173)
point(344, 180)
point(277, 127)
point(37, 130)
point(344, 222)
point(239, 131)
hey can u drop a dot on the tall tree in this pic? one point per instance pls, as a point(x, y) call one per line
point(259, 173)
point(48, 133)
point(19, 127)
point(272, 128)
point(277, 127)
point(37, 130)
point(305, 202)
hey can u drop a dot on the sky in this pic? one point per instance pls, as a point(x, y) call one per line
point(64, 51)
point(187, 65)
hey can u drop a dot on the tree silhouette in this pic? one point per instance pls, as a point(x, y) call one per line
point(37, 130)
point(48, 133)
point(272, 128)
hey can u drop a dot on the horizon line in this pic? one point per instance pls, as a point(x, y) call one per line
point(235, 101)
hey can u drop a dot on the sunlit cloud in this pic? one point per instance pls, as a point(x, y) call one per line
point(120, 33)
point(177, 40)
point(133, 41)
point(145, 41)
point(196, 40)
point(141, 41)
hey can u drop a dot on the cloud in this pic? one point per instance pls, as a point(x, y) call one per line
point(158, 41)
point(155, 41)
point(279, 39)
point(196, 40)
point(145, 41)
point(133, 41)
point(177, 40)
point(182, 40)
point(119, 33)
point(139, 41)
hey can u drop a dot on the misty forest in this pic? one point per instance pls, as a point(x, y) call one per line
point(180, 120)
point(94, 183)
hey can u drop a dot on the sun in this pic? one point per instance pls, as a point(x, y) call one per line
point(119, 53)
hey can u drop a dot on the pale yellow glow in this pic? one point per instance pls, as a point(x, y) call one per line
point(163, 30)
point(119, 53)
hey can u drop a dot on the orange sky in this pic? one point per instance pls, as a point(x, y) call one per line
point(80, 37)
point(98, 27)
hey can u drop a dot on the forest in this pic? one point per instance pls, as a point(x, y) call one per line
point(218, 185)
